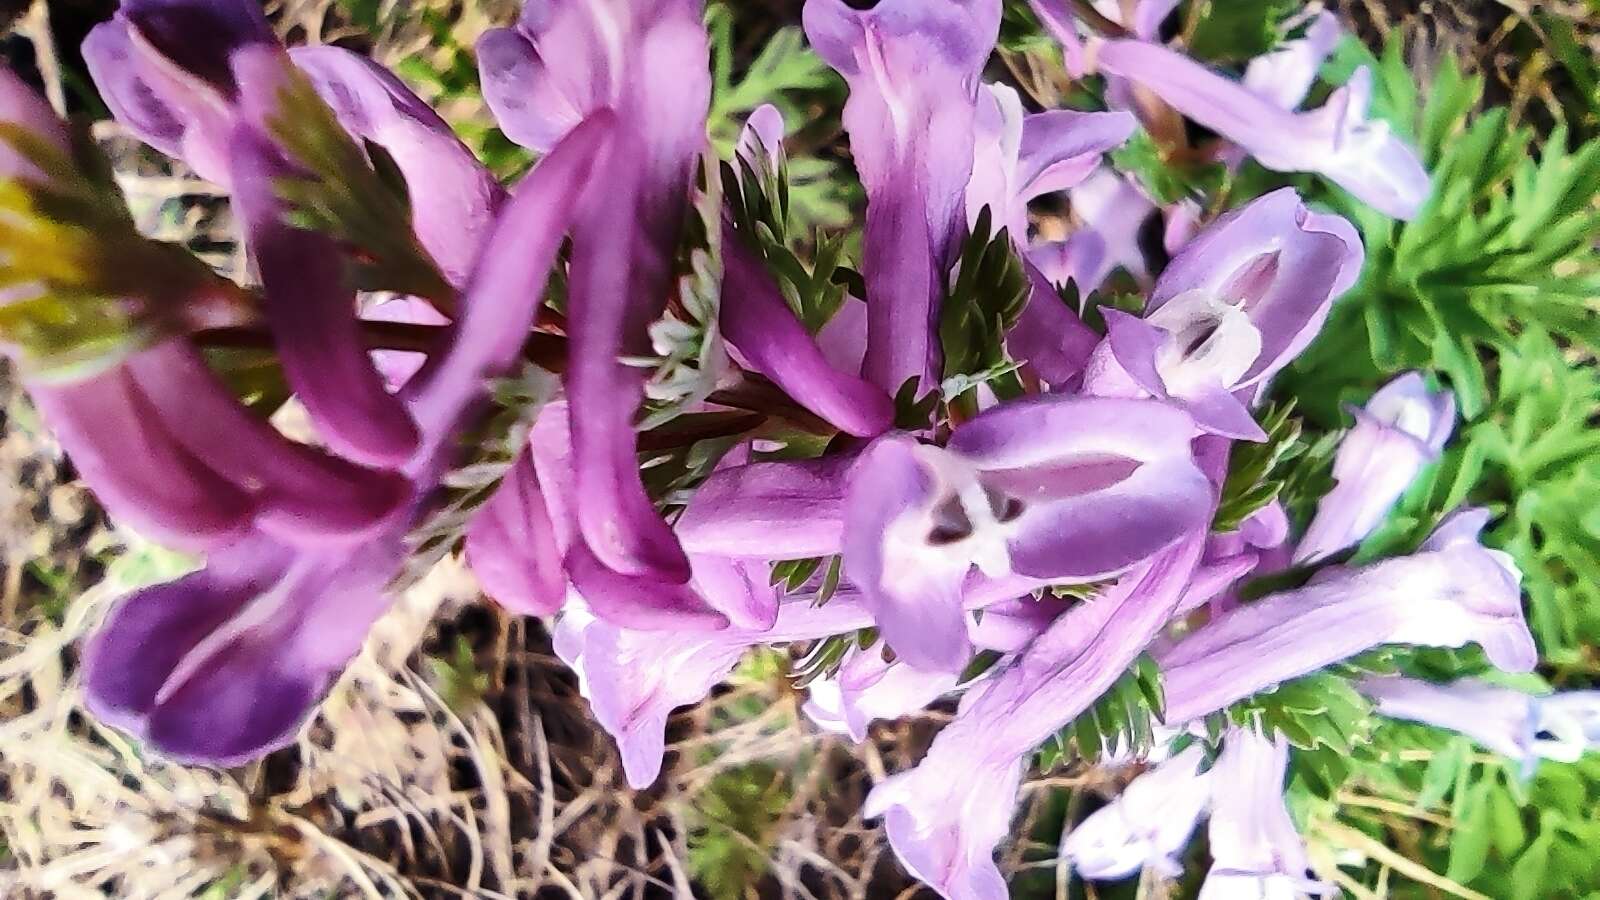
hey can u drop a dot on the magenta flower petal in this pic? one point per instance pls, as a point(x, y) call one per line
point(453, 196)
point(303, 495)
point(308, 305)
point(913, 68)
point(762, 328)
point(1049, 335)
point(1336, 141)
point(769, 510)
point(638, 601)
point(226, 664)
point(512, 548)
point(143, 475)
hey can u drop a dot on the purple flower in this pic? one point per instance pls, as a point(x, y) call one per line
point(1521, 727)
point(1284, 76)
point(634, 679)
point(453, 196)
point(1241, 300)
point(769, 339)
point(1019, 157)
point(945, 817)
point(513, 548)
point(1400, 432)
point(225, 664)
point(769, 510)
point(1450, 593)
point(175, 91)
point(867, 688)
point(558, 66)
point(1059, 488)
point(309, 305)
point(1147, 825)
point(1255, 849)
point(913, 68)
point(164, 444)
point(1336, 141)
point(634, 601)
point(1114, 209)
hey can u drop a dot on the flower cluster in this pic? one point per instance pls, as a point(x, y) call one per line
point(947, 454)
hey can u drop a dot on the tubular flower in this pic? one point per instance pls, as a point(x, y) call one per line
point(867, 688)
point(272, 624)
point(558, 66)
point(771, 340)
point(634, 679)
point(155, 432)
point(1337, 140)
point(1147, 825)
point(1450, 593)
point(1402, 429)
point(913, 68)
point(220, 100)
point(1255, 849)
point(1061, 488)
point(1524, 728)
point(1240, 301)
point(946, 816)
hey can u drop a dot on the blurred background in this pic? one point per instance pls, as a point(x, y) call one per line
point(456, 758)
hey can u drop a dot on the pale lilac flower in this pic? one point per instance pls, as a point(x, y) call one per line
point(945, 817)
point(1337, 140)
point(225, 664)
point(1112, 207)
point(1400, 432)
point(1147, 825)
point(1450, 593)
point(867, 688)
point(1284, 75)
point(1241, 300)
point(1020, 157)
point(913, 68)
point(762, 137)
point(1062, 488)
point(1522, 727)
point(634, 679)
point(1256, 851)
